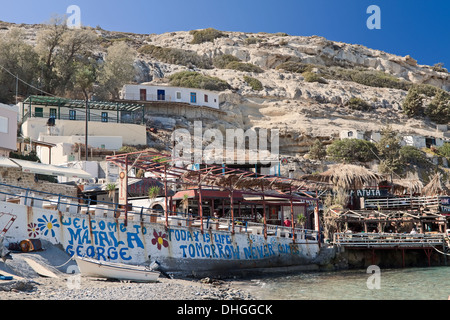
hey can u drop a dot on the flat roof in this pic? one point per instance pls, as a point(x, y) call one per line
point(41, 168)
point(146, 84)
point(70, 103)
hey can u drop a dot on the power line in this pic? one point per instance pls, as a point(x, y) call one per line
point(26, 83)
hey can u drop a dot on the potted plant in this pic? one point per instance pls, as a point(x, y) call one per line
point(301, 220)
point(153, 192)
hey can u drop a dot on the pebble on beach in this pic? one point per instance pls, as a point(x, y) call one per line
point(82, 288)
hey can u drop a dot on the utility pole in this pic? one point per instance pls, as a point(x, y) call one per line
point(86, 130)
point(17, 86)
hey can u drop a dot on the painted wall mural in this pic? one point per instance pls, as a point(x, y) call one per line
point(111, 240)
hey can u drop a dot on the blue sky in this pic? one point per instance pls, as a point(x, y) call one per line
point(418, 28)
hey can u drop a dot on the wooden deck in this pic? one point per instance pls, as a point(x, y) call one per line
point(390, 240)
point(394, 241)
point(402, 203)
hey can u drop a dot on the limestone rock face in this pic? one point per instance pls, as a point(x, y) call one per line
point(302, 111)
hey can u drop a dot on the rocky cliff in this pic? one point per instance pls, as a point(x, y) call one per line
point(302, 110)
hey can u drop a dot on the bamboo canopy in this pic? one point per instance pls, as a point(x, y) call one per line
point(347, 176)
point(435, 187)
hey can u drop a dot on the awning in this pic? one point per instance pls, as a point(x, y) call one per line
point(52, 170)
point(6, 163)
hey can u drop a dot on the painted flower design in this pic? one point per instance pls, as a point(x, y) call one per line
point(47, 225)
point(159, 240)
point(33, 230)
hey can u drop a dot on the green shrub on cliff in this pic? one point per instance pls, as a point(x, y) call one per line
point(254, 83)
point(242, 66)
point(206, 35)
point(190, 79)
point(176, 56)
point(223, 60)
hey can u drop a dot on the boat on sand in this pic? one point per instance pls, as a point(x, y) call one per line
point(105, 269)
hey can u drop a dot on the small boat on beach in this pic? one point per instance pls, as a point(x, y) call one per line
point(104, 269)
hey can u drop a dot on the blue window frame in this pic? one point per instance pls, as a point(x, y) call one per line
point(104, 116)
point(193, 97)
point(72, 115)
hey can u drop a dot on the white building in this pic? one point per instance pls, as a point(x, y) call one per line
point(422, 142)
point(8, 129)
point(64, 117)
point(150, 92)
point(358, 134)
point(407, 140)
point(65, 148)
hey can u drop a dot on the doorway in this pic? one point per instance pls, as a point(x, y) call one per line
point(143, 94)
point(161, 95)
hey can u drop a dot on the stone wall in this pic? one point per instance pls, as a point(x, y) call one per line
point(15, 177)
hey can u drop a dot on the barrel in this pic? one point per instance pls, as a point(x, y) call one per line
point(30, 245)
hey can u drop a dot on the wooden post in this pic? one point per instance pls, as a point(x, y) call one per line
point(292, 221)
point(126, 189)
point(232, 209)
point(428, 252)
point(239, 208)
point(264, 212)
point(316, 219)
point(166, 211)
point(403, 257)
point(200, 208)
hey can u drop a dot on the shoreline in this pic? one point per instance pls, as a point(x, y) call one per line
point(70, 287)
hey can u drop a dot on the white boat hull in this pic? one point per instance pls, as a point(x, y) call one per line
point(103, 269)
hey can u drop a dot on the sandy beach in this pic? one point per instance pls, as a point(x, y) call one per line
point(61, 284)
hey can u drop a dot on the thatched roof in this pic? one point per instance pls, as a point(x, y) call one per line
point(347, 176)
point(407, 185)
point(435, 187)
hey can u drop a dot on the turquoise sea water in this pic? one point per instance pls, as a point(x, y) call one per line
point(431, 283)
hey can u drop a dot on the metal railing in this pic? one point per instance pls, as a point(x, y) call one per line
point(75, 205)
point(410, 202)
point(81, 116)
point(379, 240)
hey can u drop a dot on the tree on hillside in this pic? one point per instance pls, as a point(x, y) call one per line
point(413, 103)
point(389, 150)
point(75, 51)
point(17, 59)
point(352, 150)
point(84, 79)
point(317, 150)
point(48, 41)
point(117, 70)
point(60, 50)
point(439, 108)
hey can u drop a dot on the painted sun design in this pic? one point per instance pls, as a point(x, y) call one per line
point(159, 240)
point(47, 225)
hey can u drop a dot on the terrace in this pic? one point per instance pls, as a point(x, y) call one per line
point(69, 109)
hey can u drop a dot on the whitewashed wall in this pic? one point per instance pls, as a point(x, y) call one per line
point(172, 94)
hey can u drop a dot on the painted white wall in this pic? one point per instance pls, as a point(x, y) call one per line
point(65, 112)
point(132, 134)
point(415, 141)
point(101, 142)
point(351, 134)
point(172, 94)
point(8, 128)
